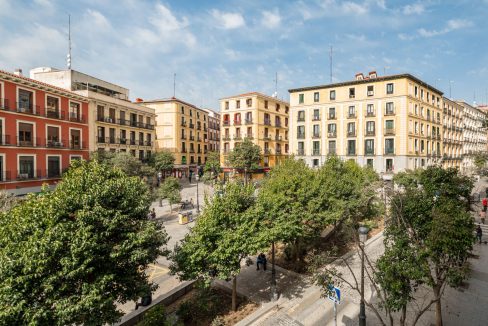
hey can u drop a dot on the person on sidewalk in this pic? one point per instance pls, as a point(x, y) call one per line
point(483, 216)
point(261, 260)
point(153, 214)
point(145, 301)
point(484, 202)
point(479, 233)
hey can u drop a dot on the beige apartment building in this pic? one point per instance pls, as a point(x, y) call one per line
point(213, 131)
point(260, 118)
point(453, 134)
point(390, 123)
point(115, 123)
point(474, 135)
point(181, 128)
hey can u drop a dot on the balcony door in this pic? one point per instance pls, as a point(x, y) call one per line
point(26, 134)
point(26, 167)
point(53, 136)
point(75, 138)
point(53, 167)
point(25, 101)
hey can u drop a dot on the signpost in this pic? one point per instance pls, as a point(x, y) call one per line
point(334, 296)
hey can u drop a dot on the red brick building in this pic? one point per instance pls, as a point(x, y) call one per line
point(42, 129)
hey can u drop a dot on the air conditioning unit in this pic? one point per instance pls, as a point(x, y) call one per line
point(370, 93)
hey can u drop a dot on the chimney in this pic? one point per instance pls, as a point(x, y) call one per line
point(18, 72)
point(373, 74)
point(139, 100)
point(359, 76)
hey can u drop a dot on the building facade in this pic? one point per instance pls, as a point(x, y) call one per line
point(452, 134)
point(43, 128)
point(474, 135)
point(390, 123)
point(116, 124)
point(182, 129)
point(260, 118)
point(213, 131)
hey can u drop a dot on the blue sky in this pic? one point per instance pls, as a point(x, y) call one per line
point(226, 47)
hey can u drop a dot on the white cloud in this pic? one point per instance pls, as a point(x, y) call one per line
point(98, 19)
point(44, 3)
point(452, 25)
point(354, 8)
point(165, 21)
point(271, 19)
point(228, 20)
point(413, 9)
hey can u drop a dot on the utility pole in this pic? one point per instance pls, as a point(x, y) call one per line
point(330, 61)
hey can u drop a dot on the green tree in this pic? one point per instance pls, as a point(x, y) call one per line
point(68, 256)
point(163, 161)
point(479, 160)
point(7, 201)
point(245, 157)
point(170, 190)
point(225, 234)
point(212, 165)
point(131, 165)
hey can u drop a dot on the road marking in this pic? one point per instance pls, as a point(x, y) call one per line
point(156, 270)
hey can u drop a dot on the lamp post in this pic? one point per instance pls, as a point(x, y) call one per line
point(197, 178)
point(363, 236)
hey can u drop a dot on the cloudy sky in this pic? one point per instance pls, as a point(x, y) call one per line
point(226, 47)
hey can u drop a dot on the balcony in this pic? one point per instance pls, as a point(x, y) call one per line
point(237, 122)
point(192, 151)
point(267, 122)
point(278, 151)
point(351, 133)
point(199, 127)
point(140, 142)
point(389, 112)
point(28, 108)
point(248, 121)
point(192, 138)
point(5, 176)
point(351, 115)
point(132, 142)
point(4, 104)
point(183, 137)
point(134, 123)
point(300, 152)
point(54, 114)
point(183, 123)
point(370, 132)
point(277, 124)
point(106, 119)
point(332, 151)
point(370, 114)
point(332, 134)
point(205, 129)
point(316, 152)
point(332, 116)
point(237, 137)
point(278, 138)
point(226, 138)
point(191, 125)
point(316, 118)
point(248, 136)
point(389, 131)
point(54, 143)
point(28, 142)
point(226, 123)
point(301, 119)
point(351, 151)
point(199, 151)
point(301, 136)
point(149, 126)
point(199, 139)
point(73, 117)
point(391, 151)
point(369, 151)
point(316, 135)
point(31, 175)
point(267, 137)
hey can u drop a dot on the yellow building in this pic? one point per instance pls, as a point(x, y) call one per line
point(391, 123)
point(453, 134)
point(115, 123)
point(258, 117)
point(181, 128)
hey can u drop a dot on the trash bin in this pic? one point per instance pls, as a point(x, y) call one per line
point(182, 218)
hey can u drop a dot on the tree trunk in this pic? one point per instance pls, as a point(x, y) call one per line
point(438, 307)
point(160, 202)
point(403, 316)
point(234, 293)
point(171, 207)
point(274, 294)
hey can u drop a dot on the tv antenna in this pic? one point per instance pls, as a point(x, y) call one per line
point(330, 61)
point(68, 57)
point(276, 86)
point(174, 85)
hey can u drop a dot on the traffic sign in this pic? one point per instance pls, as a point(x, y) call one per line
point(335, 295)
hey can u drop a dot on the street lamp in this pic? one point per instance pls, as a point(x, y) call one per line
point(197, 178)
point(363, 236)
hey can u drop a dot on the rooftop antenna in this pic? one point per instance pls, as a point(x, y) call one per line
point(330, 61)
point(174, 85)
point(276, 86)
point(68, 58)
point(385, 68)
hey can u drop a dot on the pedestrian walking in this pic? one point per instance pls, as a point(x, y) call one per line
point(482, 216)
point(153, 214)
point(189, 177)
point(479, 233)
point(261, 260)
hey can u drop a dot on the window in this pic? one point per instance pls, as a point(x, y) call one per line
point(26, 134)
point(351, 129)
point(332, 95)
point(390, 146)
point(332, 113)
point(389, 127)
point(389, 109)
point(331, 129)
point(249, 102)
point(53, 167)
point(369, 162)
point(26, 103)
point(52, 107)
point(74, 111)
point(389, 88)
point(351, 147)
point(101, 134)
point(370, 90)
point(301, 116)
point(300, 132)
point(122, 117)
point(369, 147)
point(265, 104)
point(370, 110)
point(352, 92)
point(389, 165)
point(111, 115)
point(300, 98)
point(370, 130)
point(351, 113)
point(332, 147)
point(316, 148)
point(315, 162)
point(300, 148)
point(26, 167)
point(316, 131)
point(183, 108)
point(316, 114)
point(316, 97)
point(53, 136)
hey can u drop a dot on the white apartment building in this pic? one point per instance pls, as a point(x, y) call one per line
point(474, 135)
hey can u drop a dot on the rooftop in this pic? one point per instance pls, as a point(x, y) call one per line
point(255, 94)
point(168, 100)
point(366, 81)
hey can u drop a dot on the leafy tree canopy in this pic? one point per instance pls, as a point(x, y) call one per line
point(67, 256)
point(163, 160)
point(246, 156)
